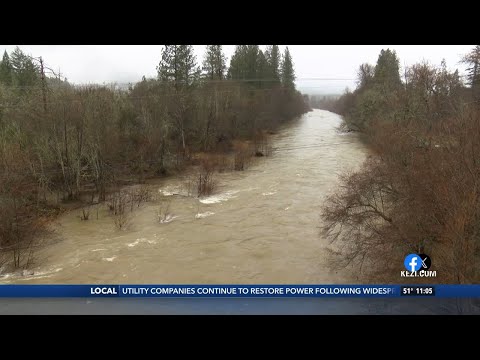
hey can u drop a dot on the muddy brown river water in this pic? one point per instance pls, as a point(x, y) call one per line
point(260, 227)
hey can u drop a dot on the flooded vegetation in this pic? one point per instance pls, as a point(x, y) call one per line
point(258, 226)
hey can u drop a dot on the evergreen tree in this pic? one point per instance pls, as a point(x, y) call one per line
point(387, 70)
point(214, 63)
point(25, 72)
point(168, 68)
point(251, 62)
point(178, 65)
point(273, 56)
point(6, 70)
point(472, 60)
point(288, 73)
point(244, 64)
point(262, 69)
point(237, 69)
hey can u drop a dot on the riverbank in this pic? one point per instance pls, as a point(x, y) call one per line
point(260, 226)
point(191, 171)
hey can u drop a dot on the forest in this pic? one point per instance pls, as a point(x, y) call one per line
point(419, 190)
point(62, 143)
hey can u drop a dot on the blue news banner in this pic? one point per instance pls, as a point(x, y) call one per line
point(238, 291)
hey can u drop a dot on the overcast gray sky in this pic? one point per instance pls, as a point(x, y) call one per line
point(128, 63)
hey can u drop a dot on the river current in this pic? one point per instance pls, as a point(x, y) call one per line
point(262, 225)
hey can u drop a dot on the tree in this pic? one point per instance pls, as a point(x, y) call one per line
point(472, 60)
point(244, 63)
point(26, 72)
point(214, 63)
point(387, 70)
point(365, 75)
point(235, 70)
point(288, 73)
point(273, 56)
point(251, 61)
point(178, 65)
point(262, 68)
point(6, 70)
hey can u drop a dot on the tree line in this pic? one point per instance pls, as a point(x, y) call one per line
point(419, 190)
point(60, 141)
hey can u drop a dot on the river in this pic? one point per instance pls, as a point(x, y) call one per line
point(261, 226)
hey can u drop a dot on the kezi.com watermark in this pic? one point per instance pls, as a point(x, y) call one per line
point(417, 265)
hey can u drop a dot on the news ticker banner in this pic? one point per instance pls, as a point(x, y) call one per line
point(238, 291)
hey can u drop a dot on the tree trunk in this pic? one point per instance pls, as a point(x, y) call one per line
point(183, 141)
